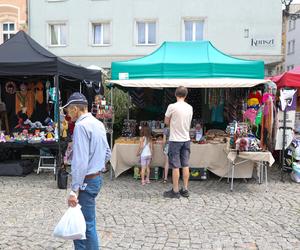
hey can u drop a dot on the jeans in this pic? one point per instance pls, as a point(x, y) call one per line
point(88, 207)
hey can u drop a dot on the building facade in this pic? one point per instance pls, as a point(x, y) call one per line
point(13, 17)
point(97, 32)
point(292, 53)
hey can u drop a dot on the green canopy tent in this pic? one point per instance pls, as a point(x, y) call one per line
point(192, 64)
point(189, 64)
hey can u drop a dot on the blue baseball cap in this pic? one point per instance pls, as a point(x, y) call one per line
point(76, 98)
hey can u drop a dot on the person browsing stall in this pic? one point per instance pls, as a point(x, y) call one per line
point(179, 117)
point(90, 153)
point(145, 152)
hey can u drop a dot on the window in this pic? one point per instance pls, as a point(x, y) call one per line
point(290, 67)
point(291, 47)
point(8, 31)
point(193, 30)
point(101, 33)
point(58, 34)
point(292, 24)
point(146, 32)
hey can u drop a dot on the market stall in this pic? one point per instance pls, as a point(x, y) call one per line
point(218, 83)
point(31, 93)
point(213, 156)
point(288, 128)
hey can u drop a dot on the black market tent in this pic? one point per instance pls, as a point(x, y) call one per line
point(22, 56)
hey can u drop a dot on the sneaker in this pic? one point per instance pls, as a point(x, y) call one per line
point(171, 194)
point(184, 193)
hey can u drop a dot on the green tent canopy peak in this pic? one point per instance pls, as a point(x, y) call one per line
point(175, 60)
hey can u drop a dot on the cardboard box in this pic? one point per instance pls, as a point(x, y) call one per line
point(198, 174)
point(156, 173)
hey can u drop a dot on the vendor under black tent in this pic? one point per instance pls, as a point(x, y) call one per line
point(23, 60)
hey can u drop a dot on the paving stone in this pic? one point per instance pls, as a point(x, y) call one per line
point(131, 217)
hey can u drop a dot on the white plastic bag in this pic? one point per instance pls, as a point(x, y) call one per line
point(72, 225)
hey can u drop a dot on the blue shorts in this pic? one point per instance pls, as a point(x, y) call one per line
point(179, 154)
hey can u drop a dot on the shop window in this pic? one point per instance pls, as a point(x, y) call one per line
point(101, 33)
point(58, 34)
point(193, 30)
point(8, 30)
point(146, 33)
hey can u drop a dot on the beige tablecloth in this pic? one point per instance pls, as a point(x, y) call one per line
point(211, 156)
point(253, 156)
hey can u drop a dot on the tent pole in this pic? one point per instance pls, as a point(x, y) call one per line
point(282, 163)
point(56, 84)
point(112, 132)
point(113, 118)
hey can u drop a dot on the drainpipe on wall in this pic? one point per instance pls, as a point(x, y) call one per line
point(28, 17)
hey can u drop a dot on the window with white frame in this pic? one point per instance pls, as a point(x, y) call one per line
point(292, 24)
point(58, 34)
point(146, 32)
point(290, 67)
point(101, 33)
point(193, 30)
point(8, 30)
point(291, 47)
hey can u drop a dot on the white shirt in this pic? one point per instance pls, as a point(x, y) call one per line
point(90, 149)
point(146, 152)
point(180, 114)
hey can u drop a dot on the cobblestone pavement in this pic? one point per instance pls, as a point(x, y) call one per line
point(134, 217)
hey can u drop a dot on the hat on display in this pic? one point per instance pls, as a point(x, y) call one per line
point(76, 98)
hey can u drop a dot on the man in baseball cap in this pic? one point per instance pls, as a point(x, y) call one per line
point(90, 153)
point(76, 98)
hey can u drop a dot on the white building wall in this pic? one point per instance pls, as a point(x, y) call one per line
point(225, 22)
point(292, 57)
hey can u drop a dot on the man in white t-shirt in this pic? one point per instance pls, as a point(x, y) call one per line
point(179, 116)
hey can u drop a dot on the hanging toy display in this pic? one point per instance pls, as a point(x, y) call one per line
point(10, 88)
point(24, 100)
point(39, 92)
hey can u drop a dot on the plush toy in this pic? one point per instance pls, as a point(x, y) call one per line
point(49, 134)
point(22, 117)
point(49, 122)
point(42, 135)
point(33, 124)
point(25, 134)
point(242, 144)
point(65, 127)
point(198, 132)
point(2, 137)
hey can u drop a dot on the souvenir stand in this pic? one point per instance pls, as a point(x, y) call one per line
point(197, 66)
point(23, 62)
point(289, 124)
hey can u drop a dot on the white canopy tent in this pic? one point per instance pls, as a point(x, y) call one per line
point(190, 83)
